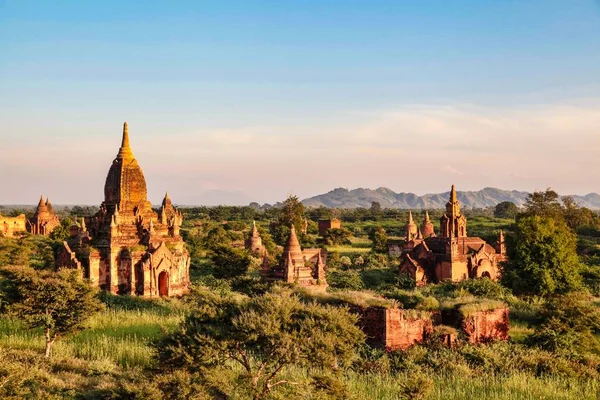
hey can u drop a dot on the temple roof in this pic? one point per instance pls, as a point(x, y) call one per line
point(125, 183)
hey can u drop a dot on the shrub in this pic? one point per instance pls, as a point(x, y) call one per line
point(349, 280)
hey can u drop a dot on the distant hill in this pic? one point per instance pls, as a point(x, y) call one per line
point(488, 197)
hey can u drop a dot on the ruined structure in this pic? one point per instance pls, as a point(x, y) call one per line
point(305, 267)
point(394, 328)
point(44, 220)
point(451, 256)
point(480, 326)
point(127, 248)
point(325, 224)
point(254, 242)
point(11, 226)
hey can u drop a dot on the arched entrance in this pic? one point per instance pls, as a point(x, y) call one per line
point(486, 274)
point(163, 284)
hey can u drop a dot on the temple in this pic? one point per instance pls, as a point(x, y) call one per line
point(127, 248)
point(304, 267)
point(451, 256)
point(44, 220)
point(254, 243)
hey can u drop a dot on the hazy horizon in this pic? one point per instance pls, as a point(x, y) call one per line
point(258, 101)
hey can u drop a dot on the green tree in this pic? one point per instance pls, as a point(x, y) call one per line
point(576, 216)
point(58, 302)
point(380, 239)
point(543, 204)
point(229, 263)
point(62, 231)
point(264, 335)
point(291, 212)
point(337, 236)
point(217, 237)
point(506, 209)
point(542, 257)
point(375, 210)
point(349, 280)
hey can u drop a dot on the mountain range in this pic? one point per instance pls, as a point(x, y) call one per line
point(487, 197)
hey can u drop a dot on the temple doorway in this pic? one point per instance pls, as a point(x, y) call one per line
point(163, 284)
point(486, 274)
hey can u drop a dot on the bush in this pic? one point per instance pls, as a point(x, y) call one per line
point(415, 387)
point(349, 280)
point(568, 324)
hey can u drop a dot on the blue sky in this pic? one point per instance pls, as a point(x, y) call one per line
point(270, 98)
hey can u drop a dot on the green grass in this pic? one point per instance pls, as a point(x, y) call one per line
point(358, 246)
point(117, 335)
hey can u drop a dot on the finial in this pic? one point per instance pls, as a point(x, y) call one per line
point(453, 198)
point(410, 218)
point(427, 216)
point(125, 150)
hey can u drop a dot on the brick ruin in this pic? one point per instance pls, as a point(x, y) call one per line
point(127, 248)
point(394, 328)
point(398, 329)
point(43, 222)
point(325, 224)
point(451, 256)
point(10, 226)
point(304, 267)
point(479, 326)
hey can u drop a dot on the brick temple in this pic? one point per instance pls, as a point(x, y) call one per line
point(450, 256)
point(128, 248)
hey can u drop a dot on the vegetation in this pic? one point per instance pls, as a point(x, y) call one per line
point(194, 347)
point(59, 303)
point(263, 335)
point(542, 257)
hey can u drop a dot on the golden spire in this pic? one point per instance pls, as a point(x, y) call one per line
point(125, 150)
point(453, 198)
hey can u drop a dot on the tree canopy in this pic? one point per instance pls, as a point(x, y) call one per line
point(542, 257)
point(263, 335)
point(506, 209)
point(59, 302)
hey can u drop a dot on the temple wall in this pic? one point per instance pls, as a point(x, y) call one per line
point(11, 225)
point(480, 326)
point(391, 329)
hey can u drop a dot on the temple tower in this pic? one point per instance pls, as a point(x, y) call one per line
point(427, 227)
point(410, 228)
point(125, 185)
point(453, 223)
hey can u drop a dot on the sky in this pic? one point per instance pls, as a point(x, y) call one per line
point(238, 101)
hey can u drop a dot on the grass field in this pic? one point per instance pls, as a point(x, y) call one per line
point(118, 343)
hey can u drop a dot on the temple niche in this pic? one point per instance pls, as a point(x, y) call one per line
point(44, 219)
point(304, 267)
point(451, 256)
point(127, 248)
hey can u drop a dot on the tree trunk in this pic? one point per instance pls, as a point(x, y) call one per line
point(49, 343)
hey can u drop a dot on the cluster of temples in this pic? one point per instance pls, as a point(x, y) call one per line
point(450, 256)
point(43, 222)
point(305, 267)
point(128, 248)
